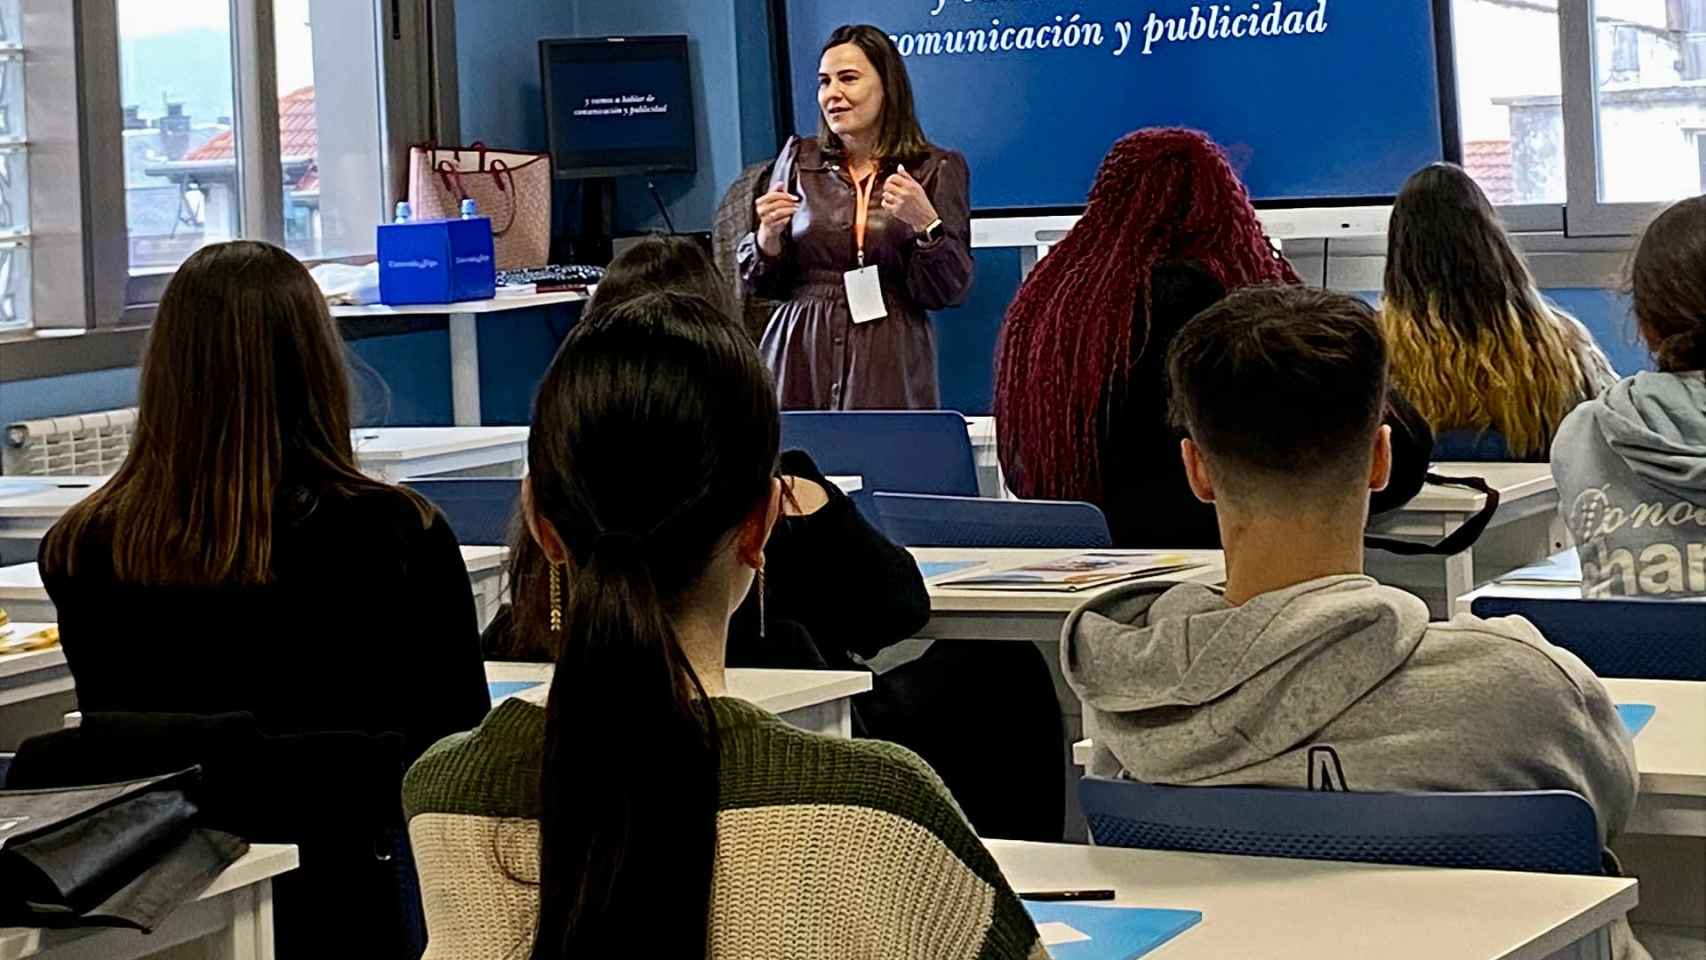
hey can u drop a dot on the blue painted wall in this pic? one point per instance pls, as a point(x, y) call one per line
point(64, 396)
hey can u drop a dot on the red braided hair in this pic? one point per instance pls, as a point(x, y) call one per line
point(1160, 195)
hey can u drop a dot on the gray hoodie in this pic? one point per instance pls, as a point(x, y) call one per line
point(1340, 684)
point(1631, 472)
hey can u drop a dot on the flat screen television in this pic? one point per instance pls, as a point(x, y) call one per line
point(618, 106)
point(1331, 103)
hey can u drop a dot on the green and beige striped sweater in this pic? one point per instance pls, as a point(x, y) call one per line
point(827, 849)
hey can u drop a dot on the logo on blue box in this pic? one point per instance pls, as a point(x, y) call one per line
point(436, 261)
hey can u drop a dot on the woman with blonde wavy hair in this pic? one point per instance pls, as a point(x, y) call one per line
point(1475, 347)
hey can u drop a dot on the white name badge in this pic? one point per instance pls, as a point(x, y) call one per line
point(865, 295)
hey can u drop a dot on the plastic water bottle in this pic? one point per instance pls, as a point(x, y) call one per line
point(405, 213)
point(470, 209)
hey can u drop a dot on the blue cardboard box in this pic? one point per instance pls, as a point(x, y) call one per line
point(436, 261)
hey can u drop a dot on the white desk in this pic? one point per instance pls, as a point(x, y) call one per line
point(1670, 754)
point(391, 454)
point(1525, 529)
point(1309, 910)
point(464, 338)
point(233, 917)
point(23, 597)
point(848, 485)
point(1031, 617)
point(29, 516)
point(818, 701)
point(395, 454)
point(987, 455)
point(31, 676)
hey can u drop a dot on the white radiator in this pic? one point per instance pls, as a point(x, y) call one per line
point(93, 444)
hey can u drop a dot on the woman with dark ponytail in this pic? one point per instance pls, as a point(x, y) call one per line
point(1631, 466)
point(642, 811)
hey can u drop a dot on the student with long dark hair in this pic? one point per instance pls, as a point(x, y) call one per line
point(869, 191)
point(1631, 466)
point(239, 562)
point(642, 810)
point(1474, 344)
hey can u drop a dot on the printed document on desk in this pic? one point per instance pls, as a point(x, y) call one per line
point(1086, 571)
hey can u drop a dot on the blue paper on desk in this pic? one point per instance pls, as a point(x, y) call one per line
point(942, 568)
point(500, 689)
point(1636, 715)
point(1114, 933)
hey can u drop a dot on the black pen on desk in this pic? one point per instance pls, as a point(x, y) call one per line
point(1066, 896)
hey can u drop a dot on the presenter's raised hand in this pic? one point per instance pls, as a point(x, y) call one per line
point(905, 200)
point(775, 210)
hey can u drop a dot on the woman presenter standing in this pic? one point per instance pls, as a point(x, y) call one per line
point(866, 227)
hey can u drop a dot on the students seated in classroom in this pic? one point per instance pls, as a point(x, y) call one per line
point(1081, 393)
point(640, 809)
point(1302, 672)
point(1475, 346)
point(838, 594)
point(1631, 466)
point(239, 562)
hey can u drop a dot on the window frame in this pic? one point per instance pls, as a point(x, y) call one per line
point(1586, 215)
point(90, 312)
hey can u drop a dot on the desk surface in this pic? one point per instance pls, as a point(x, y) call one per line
point(18, 664)
point(64, 493)
point(264, 861)
point(778, 691)
point(1670, 751)
point(946, 600)
point(393, 444)
point(1307, 910)
point(494, 305)
point(1514, 481)
point(22, 581)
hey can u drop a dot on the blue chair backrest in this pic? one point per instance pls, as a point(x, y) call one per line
point(5, 768)
point(1541, 831)
point(1469, 445)
point(918, 520)
point(480, 510)
point(1631, 639)
point(894, 451)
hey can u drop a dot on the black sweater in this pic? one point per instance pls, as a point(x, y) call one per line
point(835, 587)
point(369, 626)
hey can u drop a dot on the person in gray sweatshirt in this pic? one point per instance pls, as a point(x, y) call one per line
point(1302, 672)
point(1631, 466)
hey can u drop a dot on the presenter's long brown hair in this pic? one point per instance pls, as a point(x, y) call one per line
point(901, 137)
point(1082, 317)
point(244, 389)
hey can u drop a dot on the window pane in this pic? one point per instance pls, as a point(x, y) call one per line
point(1650, 59)
point(1509, 86)
point(329, 126)
point(180, 149)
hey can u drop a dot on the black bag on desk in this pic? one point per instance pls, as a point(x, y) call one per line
point(1412, 448)
point(114, 855)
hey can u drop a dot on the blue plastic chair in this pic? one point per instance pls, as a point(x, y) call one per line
point(918, 520)
point(5, 767)
point(1468, 445)
point(480, 510)
point(1631, 639)
point(1540, 831)
point(893, 451)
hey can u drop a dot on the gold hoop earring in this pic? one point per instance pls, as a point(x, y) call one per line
point(556, 600)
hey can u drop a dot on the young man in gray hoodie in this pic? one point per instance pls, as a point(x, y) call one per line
point(1303, 672)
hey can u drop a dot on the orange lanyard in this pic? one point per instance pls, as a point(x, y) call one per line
point(862, 211)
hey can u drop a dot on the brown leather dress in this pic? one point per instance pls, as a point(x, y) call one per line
point(820, 358)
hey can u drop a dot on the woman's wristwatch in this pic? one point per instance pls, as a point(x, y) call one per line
point(932, 233)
